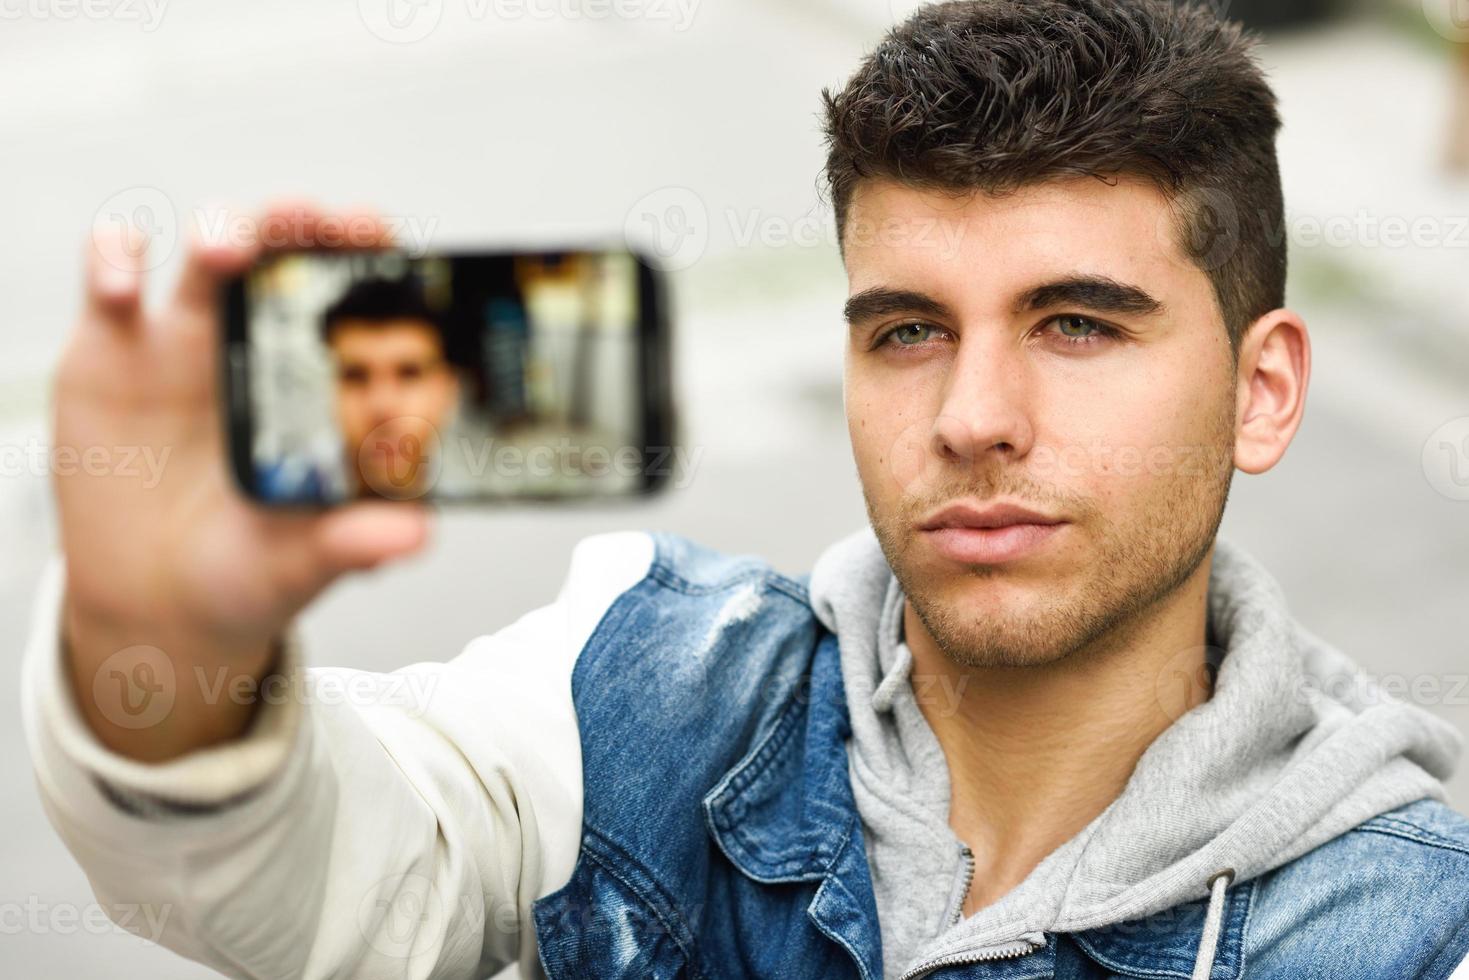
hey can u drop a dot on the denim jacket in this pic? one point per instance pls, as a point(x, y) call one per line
point(720, 835)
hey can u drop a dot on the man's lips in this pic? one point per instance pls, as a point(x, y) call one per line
point(989, 534)
point(967, 515)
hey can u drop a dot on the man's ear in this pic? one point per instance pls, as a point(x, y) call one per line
point(1274, 371)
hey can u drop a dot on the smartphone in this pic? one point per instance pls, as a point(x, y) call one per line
point(461, 376)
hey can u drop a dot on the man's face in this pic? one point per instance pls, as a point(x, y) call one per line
point(1052, 349)
point(394, 390)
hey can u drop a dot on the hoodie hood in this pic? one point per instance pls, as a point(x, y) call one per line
point(1296, 746)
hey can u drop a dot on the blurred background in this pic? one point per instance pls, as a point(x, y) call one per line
point(694, 124)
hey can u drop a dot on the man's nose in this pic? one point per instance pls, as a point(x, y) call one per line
point(986, 410)
point(384, 399)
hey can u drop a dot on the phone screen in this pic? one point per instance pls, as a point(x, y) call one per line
point(490, 376)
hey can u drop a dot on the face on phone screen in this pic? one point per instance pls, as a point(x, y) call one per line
point(462, 377)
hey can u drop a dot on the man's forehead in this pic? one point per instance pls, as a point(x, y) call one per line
point(883, 196)
point(1125, 228)
point(388, 338)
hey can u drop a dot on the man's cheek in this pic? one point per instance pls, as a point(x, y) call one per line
point(871, 443)
point(874, 471)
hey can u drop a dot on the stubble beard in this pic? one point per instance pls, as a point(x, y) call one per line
point(1133, 569)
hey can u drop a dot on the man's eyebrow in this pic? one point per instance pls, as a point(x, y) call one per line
point(1099, 293)
point(880, 301)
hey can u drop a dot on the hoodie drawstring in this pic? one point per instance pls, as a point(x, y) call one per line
point(1213, 920)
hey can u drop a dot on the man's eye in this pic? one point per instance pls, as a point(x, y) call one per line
point(910, 334)
point(1081, 329)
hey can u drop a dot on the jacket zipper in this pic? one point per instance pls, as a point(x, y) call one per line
point(968, 857)
point(1028, 943)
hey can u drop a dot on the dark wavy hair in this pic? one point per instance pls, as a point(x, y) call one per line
point(379, 300)
point(996, 94)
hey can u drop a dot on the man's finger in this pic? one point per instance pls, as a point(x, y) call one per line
point(207, 265)
point(284, 226)
point(117, 256)
point(365, 534)
point(359, 228)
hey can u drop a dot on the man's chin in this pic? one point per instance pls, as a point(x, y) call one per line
point(986, 591)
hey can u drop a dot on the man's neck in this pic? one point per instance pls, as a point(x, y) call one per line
point(1034, 753)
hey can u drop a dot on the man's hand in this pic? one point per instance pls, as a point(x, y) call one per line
point(177, 586)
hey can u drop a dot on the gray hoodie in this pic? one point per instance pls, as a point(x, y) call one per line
point(1296, 746)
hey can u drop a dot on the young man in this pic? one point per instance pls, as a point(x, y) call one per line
point(1035, 722)
point(395, 391)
